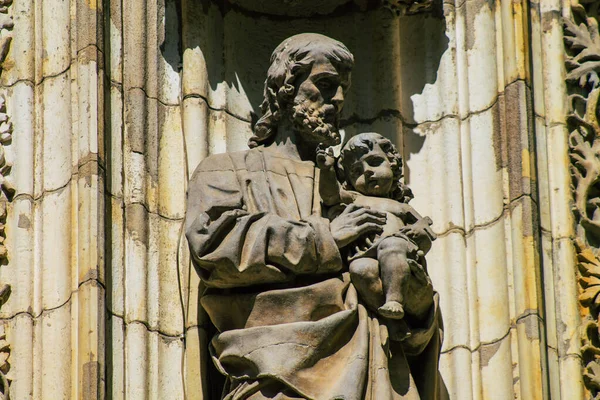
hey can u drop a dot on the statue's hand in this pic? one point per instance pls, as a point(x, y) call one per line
point(355, 222)
point(325, 158)
point(420, 233)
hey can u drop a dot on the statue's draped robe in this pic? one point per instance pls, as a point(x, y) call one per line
point(290, 323)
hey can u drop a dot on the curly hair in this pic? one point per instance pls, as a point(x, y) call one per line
point(363, 143)
point(289, 60)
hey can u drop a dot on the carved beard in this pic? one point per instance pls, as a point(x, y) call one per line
point(316, 125)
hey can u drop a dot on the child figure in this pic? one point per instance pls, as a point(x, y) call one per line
point(370, 169)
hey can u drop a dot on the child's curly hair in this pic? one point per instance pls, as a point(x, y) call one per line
point(363, 143)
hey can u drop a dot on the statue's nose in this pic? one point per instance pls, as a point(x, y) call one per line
point(338, 99)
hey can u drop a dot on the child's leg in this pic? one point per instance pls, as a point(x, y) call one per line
point(364, 273)
point(394, 270)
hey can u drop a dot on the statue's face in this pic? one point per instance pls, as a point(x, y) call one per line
point(319, 101)
point(372, 174)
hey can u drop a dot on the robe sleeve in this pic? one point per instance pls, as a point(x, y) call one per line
point(232, 248)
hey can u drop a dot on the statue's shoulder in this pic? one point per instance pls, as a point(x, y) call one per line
point(224, 161)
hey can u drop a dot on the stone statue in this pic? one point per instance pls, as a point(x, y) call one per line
point(292, 319)
point(370, 165)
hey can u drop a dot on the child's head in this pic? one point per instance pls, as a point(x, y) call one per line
point(370, 164)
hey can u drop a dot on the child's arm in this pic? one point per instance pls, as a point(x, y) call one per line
point(330, 189)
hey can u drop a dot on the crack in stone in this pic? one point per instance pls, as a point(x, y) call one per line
point(180, 336)
point(397, 114)
point(52, 76)
point(73, 175)
point(210, 107)
point(480, 345)
point(555, 124)
point(47, 310)
point(506, 209)
point(151, 97)
point(529, 313)
point(123, 205)
point(145, 206)
point(28, 82)
point(87, 46)
point(571, 355)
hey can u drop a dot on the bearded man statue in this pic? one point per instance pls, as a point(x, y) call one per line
point(288, 322)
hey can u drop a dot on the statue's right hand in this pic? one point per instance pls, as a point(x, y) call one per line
point(355, 222)
point(325, 158)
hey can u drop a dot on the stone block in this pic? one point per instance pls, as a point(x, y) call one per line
point(114, 145)
point(136, 357)
point(20, 335)
point(529, 340)
point(56, 38)
point(478, 63)
point(447, 267)
point(54, 332)
point(482, 168)
point(115, 270)
point(20, 273)
point(21, 110)
point(543, 170)
point(136, 262)
point(57, 137)
point(227, 133)
point(115, 358)
point(559, 181)
point(169, 318)
point(554, 70)
point(195, 123)
point(56, 243)
point(456, 369)
point(433, 170)
point(89, 221)
point(524, 259)
point(491, 282)
point(496, 374)
point(171, 177)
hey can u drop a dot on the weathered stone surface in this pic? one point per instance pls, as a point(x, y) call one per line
point(272, 232)
point(111, 107)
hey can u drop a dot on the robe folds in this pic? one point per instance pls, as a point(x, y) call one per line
point(289, 322)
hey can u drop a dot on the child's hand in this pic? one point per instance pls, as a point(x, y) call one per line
point(325, 157)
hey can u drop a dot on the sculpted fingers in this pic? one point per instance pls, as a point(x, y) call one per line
point(350, 209)
point(369, 227)
point(370, 217)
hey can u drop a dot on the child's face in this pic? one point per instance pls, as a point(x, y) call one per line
point(372, 173)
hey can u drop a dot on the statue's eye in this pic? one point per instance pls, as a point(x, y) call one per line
point(375, 161)
point(356, 170)
point(324, 84)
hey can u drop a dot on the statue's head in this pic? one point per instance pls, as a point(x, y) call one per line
point(370, 164)
point(306, 84)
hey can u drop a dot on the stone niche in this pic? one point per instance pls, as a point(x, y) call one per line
point(227, 50)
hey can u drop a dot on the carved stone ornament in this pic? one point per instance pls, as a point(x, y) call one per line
point(582, 45)
point(310, 293)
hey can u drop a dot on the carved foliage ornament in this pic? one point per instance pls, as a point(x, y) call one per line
point(582, 47)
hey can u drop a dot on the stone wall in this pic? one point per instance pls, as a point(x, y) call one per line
point(113, 105)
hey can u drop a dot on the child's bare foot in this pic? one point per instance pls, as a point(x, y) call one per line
point(392, 310)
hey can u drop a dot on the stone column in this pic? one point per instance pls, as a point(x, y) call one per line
point(54, 83)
